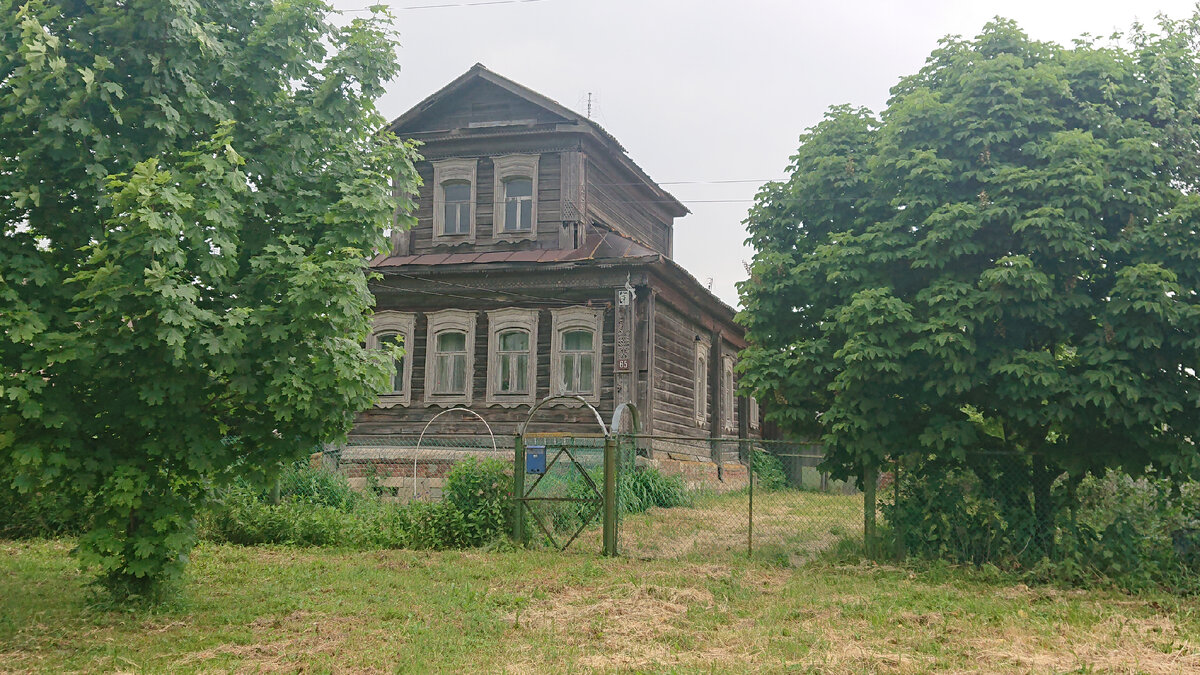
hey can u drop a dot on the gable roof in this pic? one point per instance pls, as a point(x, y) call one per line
point(479, 73)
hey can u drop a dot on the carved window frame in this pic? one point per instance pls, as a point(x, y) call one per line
point(567, 319)
point(439, 322)
point(389, 322)
point(728, 395)
point(700, 365)
point(508, 167)
point(754, 412)
point(500, 321)
point(445, 171)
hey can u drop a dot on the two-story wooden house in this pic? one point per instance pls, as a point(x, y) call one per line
point(541, 265)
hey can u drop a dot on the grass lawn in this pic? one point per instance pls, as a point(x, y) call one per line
point(275, 609)
point(789, 525)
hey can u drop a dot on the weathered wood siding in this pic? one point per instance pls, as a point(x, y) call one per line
point(548, 210)
point(674, 390)
point(616, 201)
point(401, 420)
point(484, 103)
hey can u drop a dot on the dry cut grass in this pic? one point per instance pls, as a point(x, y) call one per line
point(789, 525)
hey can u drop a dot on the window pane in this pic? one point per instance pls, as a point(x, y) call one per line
point(458, 382)
point(514, 341)
point(397, 378)
point(518, 187)
point(510, 215)
point(457, 192)
point(577, 340)
point(526, 221)
point(585, 372)
point(443, 375)
point(522, 372)
point(505, 374)
point(452, 341)
point(568, 370)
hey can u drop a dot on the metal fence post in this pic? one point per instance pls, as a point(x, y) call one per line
point(870, 481)
point(750, 523)
point(610, 495)
point(518, 531)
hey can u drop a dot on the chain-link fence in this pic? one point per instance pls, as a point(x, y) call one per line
point(699, 497)
point(1014, 511)
point(407, 468)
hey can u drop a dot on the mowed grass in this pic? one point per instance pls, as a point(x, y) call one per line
point(274, 609)
point(789, 525)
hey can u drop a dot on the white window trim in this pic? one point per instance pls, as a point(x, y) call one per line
point(448, 319)
point(571, 318)
point(728, 396)
point(401, 323)
point(700, 383)
point(449, 170)
point(754, 412)
point(514, 166)
point(500, 320)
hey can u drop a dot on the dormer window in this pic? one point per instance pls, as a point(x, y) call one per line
point(516, 188)
point(454, 192)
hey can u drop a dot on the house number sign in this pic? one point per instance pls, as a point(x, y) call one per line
point(624, 332)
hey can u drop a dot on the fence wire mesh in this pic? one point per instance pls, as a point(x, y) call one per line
point(700, 497)
point(412, 467)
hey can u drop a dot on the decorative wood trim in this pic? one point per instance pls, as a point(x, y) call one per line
point(508, 319)
point(569, 318)
point(448, 170)
point(701, 387)
point(402, 323)
point(728, 397)
point(448, 319)
point(514, 166)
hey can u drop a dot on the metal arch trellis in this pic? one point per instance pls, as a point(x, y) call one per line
point(417, 452)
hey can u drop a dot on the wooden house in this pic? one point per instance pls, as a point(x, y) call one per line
point(541, 266)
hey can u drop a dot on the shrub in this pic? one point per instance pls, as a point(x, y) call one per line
point(318, 508)
point(767, 470)
point(480, 492)
point(1135, 533)
point(36, 514)
point(305, 483)
point(642, 490)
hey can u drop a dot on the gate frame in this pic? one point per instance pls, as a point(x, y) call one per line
point(610, 468)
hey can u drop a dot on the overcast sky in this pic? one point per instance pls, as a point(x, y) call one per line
point(701, 92)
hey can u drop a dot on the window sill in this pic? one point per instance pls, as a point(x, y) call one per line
point(392, 400)
point(511, 401)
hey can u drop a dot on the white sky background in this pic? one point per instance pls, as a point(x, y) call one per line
point(714, 91)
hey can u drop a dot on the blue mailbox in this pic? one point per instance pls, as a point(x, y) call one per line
point(535, 459)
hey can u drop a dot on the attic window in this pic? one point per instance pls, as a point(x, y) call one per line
point(454, 200)
point(518, 204)
point(516, 187)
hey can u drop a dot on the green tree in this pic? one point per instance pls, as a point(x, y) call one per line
point(189, 191)
point(1005, 259)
